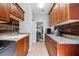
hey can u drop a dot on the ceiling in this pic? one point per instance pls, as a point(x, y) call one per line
point(37, 10)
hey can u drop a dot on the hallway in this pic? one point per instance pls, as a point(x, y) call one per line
point(38, 49)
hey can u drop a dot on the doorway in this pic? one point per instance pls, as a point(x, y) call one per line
point(39, 32)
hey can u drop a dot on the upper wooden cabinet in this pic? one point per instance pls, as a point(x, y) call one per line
point(64, 13)
point(21, 13)
point(73, 11)
point(11, 10)
point(4, 12)
point(69, 12)
point(14, 10)
point(54, 15)
point(50, 19)
point(17, 11)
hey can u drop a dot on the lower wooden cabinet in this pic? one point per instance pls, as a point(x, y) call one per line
point(22, 46)
point(51, 46)
point(68, 50)
point(55, 49)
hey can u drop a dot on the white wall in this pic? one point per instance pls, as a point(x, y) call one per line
point(29, 26)
point(26, 25)
point(40, 18)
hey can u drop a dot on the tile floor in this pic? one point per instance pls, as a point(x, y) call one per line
point(38, 49)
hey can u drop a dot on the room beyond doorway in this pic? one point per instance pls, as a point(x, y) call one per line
point(39, 32)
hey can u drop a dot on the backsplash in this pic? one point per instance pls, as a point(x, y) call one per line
point(72, 29)
point(71, 37)
point(11, 27)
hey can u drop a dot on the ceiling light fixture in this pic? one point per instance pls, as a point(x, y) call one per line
point(41, 5)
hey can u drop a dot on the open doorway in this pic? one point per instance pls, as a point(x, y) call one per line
point(39, 32)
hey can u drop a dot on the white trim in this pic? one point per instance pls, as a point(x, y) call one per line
point(43, 28)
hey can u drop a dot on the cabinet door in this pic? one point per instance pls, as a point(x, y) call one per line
point(74, 11)
point(4, 11)
point(26, 45)
point(50, 18)
point(53, 47)
point(20, 48)
point(21, 16)
point(17, 11)
point(55, 14)
point(20, 51)
point(48, 45)
point(63, 12)
point(14, 10)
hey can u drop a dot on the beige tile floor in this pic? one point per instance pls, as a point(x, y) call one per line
point(38, 49)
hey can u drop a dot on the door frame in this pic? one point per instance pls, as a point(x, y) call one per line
point(43, 29)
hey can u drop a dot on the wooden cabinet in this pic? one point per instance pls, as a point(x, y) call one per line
point(68, 50)
point(69, 11)
point(50, 19)
point(22, 46)
point(73, 11)
point(54, 15)
point(14, 10)
point(63, 12)
point(4, 12)
point(21, 13)
point(17, 11)
point(56, 49)
point(26, 45)
point(51, 46)
point(9, 11)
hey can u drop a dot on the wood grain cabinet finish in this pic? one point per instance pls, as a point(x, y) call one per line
point(17, 11)
point(55, 49)
point(54, 15)
point(69, 11)
point(51, 46)
point(7, 9)
point(68, 50)
point(74, 11)
point(22, 46)
point(4, 12)
point(14, 10)
point(21, 13)
point(63, 12)
point(50, 19)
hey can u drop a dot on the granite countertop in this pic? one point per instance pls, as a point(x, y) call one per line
point(63, 40)
point(13, 37)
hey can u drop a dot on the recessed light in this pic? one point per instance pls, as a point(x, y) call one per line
point(41, 5)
